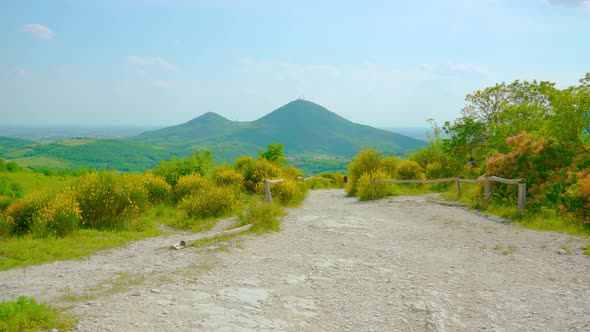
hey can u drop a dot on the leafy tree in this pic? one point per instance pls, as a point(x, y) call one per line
point(570, 119)
point(200, 162)
point(496, 113)
point(275, 154)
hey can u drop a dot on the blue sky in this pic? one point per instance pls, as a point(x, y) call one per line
point(382, 63)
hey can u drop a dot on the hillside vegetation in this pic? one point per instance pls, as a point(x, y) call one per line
point(315, 140)
point(38, 209)
point(527, 130)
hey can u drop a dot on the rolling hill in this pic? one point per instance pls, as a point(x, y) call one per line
point(315, 140)
point(311, 134)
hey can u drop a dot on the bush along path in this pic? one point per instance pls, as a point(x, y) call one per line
point(397, 264)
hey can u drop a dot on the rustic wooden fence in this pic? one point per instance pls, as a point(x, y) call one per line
point(487, 186)
point(267, 184)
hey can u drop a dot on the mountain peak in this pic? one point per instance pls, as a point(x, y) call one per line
point(299, 111)
point(208, 118)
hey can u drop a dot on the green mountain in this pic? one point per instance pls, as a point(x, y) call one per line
point(315, 140)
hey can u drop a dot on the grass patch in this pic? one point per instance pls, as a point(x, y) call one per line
point(24, 251)
point(264, 217)
point(29, 181)
point(26, 314)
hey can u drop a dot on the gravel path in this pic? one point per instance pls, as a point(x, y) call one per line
point(398, 264)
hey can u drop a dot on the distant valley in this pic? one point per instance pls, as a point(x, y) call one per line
point(315, 140)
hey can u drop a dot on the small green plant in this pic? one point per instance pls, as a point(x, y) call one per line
point(511, 249)
point(27, 315)
point(264, 217)
point(566, 249)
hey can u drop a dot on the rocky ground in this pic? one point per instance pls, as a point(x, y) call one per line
point(398, 264)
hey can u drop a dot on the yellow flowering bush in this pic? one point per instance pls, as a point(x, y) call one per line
point(59, 217)
point(288, 192)
point(292, 172)
point(224, 175)
point(158, 189)
point(255, 171)
point(369, 190)
point(107, 200)
point(210, 202)
point(189, 184)
point(20, 213)
point(410, 170)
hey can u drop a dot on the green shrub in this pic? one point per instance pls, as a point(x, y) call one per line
point(409, 170)
point(224, 175)
point(366, 161)
point(389, 166)
point(367, 189)
point(59, 217)
point(20, 213)
point(210, 202)
point(188, 185)
point(292, 172)
point(255, 171)
point(6, 228)
point(27, 315)
point(264, 217)
point(5, 201)
point(289, 192)
point(107, 200)
point(200, 162)
point(158, 190)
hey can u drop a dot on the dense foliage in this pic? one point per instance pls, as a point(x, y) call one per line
point(112, 201)
point(526, 130)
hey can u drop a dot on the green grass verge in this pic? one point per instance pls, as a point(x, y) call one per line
point(26, 314)
point(24, 251)
point(32, 181)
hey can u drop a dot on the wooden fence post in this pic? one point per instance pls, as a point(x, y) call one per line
point(267, 188)
point(267, 191)
point(458, 189)
point(488, 193)
point(521, 196)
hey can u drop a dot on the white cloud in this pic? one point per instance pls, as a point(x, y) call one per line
point(156, 62)
point(570, 3)
point(39, 31)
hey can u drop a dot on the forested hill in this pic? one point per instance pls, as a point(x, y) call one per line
point(307, 129)
point(315, 140)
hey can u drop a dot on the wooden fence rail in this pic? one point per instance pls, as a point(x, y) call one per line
point(487, 186)
point(267, 184)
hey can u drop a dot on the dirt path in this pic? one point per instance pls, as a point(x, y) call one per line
point(399, 264)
